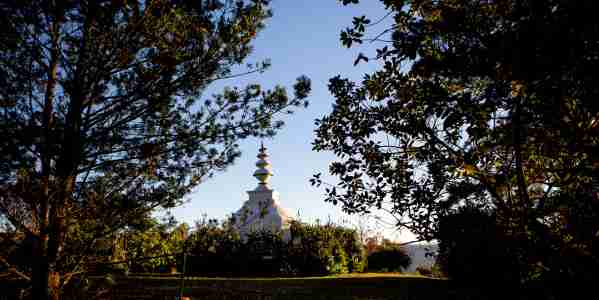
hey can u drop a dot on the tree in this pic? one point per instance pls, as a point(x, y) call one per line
point(103, 117)
point(487, 104)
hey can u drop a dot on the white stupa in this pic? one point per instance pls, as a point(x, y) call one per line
point(262, 211)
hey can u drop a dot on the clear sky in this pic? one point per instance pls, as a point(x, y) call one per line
point(302, 38)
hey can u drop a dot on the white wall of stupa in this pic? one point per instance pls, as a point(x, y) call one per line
point(263, 210)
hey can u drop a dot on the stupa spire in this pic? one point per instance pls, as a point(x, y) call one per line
point(263, 173)
point(262, 211)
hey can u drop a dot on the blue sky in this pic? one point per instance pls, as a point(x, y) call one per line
point(302, 38)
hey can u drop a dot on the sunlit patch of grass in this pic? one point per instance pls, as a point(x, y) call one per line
point(381, 274)
point(349, 275)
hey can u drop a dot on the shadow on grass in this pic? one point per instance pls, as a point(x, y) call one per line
point(359, 288)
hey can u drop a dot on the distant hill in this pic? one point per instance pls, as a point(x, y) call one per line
point(418, 255)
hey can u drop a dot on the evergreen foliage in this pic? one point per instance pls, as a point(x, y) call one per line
point(104, 116)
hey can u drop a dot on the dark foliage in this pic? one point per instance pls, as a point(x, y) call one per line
point(488, 104)
point(474, 251)
point(389, 259)
point(223, 253)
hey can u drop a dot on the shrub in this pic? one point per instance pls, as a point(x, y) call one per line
point(472, 249)
point(475, 250)
point(324, 249)
point(390, 259)
point(216, 250)
point(263, 254)
point(424, 271)
point(436, 271)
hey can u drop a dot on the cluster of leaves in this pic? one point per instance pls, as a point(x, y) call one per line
point(486, 104)
point(218, 250)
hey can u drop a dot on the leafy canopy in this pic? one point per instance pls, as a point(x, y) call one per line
point(489, 104)
point(103, 113)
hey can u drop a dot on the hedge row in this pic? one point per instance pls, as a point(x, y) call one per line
point(309, 250)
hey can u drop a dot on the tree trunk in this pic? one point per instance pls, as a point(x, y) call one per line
point(41, 261)
point(40, 277)
point(45, 280)
point(519, 138)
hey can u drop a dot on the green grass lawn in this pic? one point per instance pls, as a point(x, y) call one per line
point(368, 286)
point(353, 286)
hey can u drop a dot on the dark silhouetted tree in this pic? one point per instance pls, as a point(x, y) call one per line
point(489, 104)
